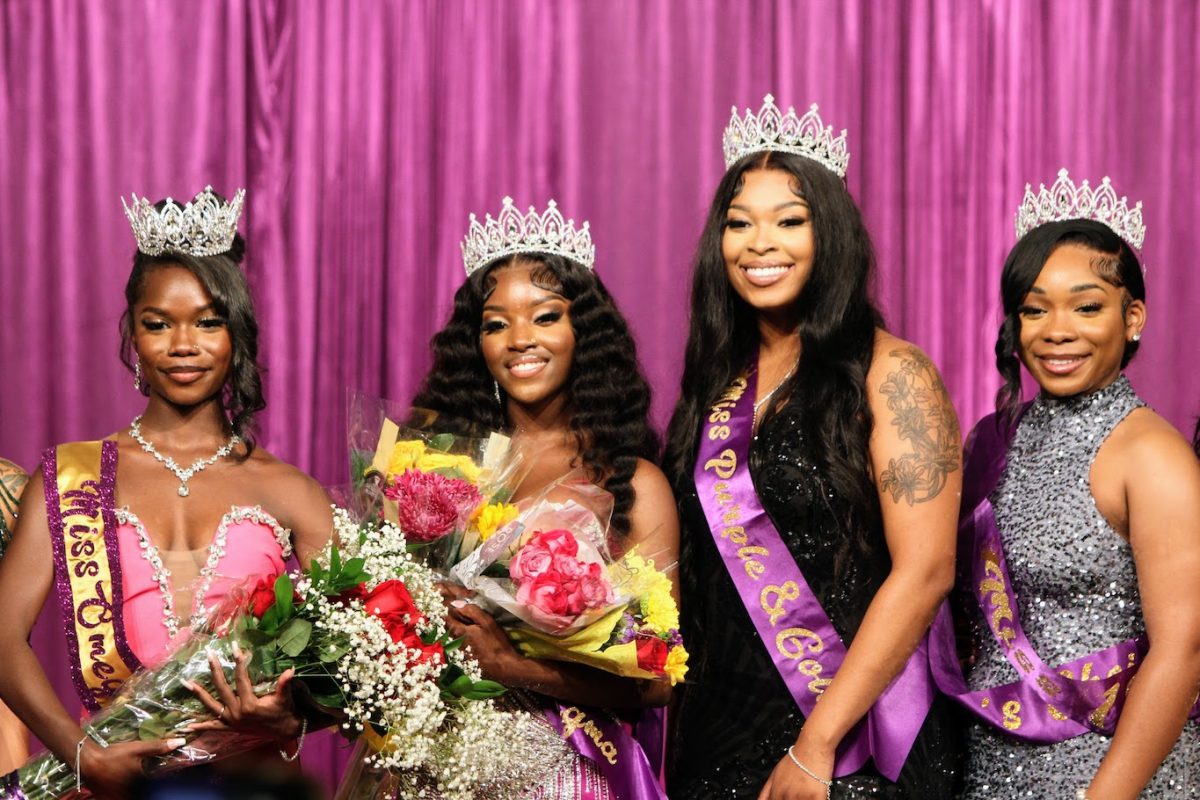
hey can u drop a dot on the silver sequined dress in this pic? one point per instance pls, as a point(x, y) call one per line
point(1076, 590)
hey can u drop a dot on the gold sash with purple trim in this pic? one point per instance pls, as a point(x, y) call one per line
point(80, 481)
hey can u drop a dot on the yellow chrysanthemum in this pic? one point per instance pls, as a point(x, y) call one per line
point(405, 455)
point(493, 516)
point(659, 609)
point(676, 666)
point(434, 460)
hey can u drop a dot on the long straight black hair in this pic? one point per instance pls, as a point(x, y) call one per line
point(838, 320)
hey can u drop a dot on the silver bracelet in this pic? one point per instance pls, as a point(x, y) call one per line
point(299, 743)
point(1081, 794)
point(827, 784)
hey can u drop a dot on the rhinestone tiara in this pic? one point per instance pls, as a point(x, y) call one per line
point(513, 232)
point(204, 227)
point(1064, 200)
point(804, 136)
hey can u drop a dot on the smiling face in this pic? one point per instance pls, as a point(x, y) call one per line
point(181, 341)
point(526, 336)
point(768, 242)
point(1075, 324)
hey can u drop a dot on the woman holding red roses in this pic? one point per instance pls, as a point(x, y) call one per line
point(535, 346)
point(159, 542)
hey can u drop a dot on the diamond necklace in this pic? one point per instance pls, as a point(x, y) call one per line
point(184, 475)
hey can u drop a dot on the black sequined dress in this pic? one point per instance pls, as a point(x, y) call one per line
point(735, 718)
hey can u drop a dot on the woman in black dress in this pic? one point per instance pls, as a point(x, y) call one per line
point(853, 453)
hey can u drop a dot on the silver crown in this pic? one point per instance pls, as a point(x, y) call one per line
point(513, 232)
point(204, 227)
point(804, 136)
point(1064, 200)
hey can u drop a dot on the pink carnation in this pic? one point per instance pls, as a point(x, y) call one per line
point(430, 505)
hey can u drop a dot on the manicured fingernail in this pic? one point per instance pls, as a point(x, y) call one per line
point(237, 651)
point(459, 604)
point(187, 685)
point(175, 744)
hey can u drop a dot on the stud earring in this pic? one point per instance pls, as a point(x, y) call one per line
point(1137, 337)
point(137, 375)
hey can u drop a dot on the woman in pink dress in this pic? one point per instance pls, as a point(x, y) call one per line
point(143, 531)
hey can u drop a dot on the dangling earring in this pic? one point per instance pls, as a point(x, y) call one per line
point(137, 375)
point(496, 388)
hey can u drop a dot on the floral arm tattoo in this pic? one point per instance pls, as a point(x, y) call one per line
point(923, 416)
point(12, 483)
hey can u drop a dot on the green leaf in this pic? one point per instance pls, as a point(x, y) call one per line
point(485, 690)
point(283, 595)
point(294, 636)
point(151, 728)
point(442, 441)
point(453, 644)
point(461, 684)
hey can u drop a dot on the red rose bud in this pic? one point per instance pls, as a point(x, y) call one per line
point(651, 654)
point(262, 598)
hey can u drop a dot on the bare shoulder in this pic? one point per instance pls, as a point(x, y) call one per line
point(649, 482)
point(1148, 447)
point(916, 442)
point(287, 488)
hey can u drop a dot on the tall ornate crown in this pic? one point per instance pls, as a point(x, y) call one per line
point(804, 136)
point(1064, 200)
point(513, 232)
point(204, 227)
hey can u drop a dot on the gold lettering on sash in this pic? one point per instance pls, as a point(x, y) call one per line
point(1011, 710)
point(772, 599)
point(1110, 697)
point(718, 415)
point(1049, 686)
point(993, 593)
point(735, 534)
point(724, 464)
point(575, 719)
point(1055, 713)
point(754, 568)
point(1023, 660)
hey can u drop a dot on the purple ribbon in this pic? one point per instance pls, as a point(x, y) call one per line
point(802, 642)
point(1044, 705)
point(603, 740)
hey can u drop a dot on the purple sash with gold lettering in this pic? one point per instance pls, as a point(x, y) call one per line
point(603, 740)
point(1045, 705)
point(802, 642)
point(80, 480)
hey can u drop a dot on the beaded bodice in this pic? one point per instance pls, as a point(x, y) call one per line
point(1073, 575)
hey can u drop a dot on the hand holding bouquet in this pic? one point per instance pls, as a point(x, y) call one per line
point(363, 629)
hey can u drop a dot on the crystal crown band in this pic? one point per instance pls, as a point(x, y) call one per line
point(204, 227)
point(1064, 200)
point(513, 232)
point(804, 136)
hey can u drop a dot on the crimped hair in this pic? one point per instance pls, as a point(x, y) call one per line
point(607, 396)
point(837, 327)
point(1115, 264)
point(222, 278)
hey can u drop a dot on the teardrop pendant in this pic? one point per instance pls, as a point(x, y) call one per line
point(183, 490)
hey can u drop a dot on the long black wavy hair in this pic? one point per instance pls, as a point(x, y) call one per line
point(221, 276)
point(838, 320)
point(608, 398)
point(1115, 263)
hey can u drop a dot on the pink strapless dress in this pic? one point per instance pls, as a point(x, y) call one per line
point(248, 544)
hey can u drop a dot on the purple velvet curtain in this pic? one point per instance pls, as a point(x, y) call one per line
point(365, 133)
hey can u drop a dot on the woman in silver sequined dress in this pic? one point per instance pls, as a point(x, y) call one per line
point(1098, 513)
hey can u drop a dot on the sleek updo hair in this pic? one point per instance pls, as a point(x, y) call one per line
point(607, 396)
point(223, 280)
point(1115, 264)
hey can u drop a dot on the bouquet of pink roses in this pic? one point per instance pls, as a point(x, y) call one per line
point(551, 580)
